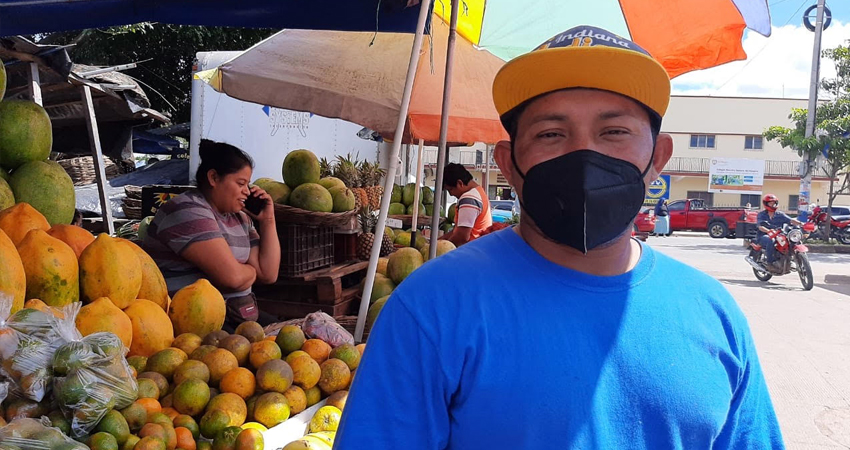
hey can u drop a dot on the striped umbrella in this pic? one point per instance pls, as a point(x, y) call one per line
point(684, 35)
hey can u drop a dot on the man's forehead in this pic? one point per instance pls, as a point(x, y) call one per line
point(582, 101)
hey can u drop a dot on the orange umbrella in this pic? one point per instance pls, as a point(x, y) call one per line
point(360, 77)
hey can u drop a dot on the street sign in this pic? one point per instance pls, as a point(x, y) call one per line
point(658, 190)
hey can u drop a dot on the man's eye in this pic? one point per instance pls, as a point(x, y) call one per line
point(550, 134)
point(616, 132)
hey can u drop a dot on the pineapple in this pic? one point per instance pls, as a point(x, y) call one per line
point(346, 170)
point(326, 168)
point(366, 239)
point(372, 173)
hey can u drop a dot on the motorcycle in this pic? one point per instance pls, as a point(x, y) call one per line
point(838, 229)
point(791, 254)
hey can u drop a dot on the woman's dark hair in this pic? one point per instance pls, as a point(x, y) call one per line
point(454, 172)
point(223, 158)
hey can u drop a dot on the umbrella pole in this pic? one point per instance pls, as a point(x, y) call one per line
point(444, 125)
point(389, 179)
point(417, 194)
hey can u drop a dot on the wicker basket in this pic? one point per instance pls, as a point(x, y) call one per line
point(133, 192)
point(407, 220)
point(81, 169)
point(289, 214)
point(347, 322)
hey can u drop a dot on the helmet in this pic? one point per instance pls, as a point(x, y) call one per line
point(770, 198)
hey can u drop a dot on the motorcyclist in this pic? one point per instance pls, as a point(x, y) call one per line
point(768, 219)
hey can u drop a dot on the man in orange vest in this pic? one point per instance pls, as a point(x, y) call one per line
point(472, 218)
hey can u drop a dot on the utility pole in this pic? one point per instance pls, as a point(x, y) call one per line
point(808, 166)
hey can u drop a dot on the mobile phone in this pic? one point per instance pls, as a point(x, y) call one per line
point(254, 204)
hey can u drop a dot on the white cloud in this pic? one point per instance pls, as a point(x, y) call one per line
point(778, 65)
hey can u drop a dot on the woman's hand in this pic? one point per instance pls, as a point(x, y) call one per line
point(267, 214)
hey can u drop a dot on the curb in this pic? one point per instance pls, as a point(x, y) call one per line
point(843, 249)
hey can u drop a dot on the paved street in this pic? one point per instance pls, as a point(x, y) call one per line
point(803, 338)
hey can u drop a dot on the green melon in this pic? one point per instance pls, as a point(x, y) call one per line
point(46, 187)
point(407, 194)
point(25, 133)
point(396, 209)
point(7, 199)
point(421, 210)
point(2, 80)
point(312, 197)
point(382, 286)
point(299, 167)
point(375, 310)
point(452, 212)
point(402, 238)
point(343, 198)
point(443, 247)
point(143, 227)
point(429, 210)
point(331, 182)
point(396, 195)
point(278, 191)
point(427, 196)
point(5, 175)
point(402, 263)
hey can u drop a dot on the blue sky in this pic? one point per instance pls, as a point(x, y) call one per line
point(777, 66)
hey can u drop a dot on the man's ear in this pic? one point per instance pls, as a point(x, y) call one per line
point(502, 155)
point(663, 153)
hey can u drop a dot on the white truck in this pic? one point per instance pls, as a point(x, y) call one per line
point(266, 133)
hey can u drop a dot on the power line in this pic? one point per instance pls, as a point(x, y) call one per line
point(763, 47)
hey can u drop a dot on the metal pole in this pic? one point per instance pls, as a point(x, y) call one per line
point(424, 9)
point(444, 126)
point(806, 181)
point(35, 85)
point(416, 194)
point(486, 183)
point(97, 158)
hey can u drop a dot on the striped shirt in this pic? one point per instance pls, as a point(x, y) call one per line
point(189, 218)
point(473, 211)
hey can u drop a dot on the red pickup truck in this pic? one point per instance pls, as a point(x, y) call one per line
point(692, 214)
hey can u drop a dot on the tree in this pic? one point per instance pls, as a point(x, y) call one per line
point(168, 52)
point(832, 122)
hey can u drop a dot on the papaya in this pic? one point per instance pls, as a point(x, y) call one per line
point(110, 269)
point(152, 330)
point(13, 278)
point(51, 268)
point(103, 315)
point(18, 220)
point(153, 283)
point(197, 308)
point(34, 303)
point(77, 238)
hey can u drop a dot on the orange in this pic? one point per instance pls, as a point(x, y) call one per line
point(335, 376)
point(250, 439)
point(199, 353)
point(290, 338)
point(233, 405)
point(274, 375)
point(220, 361)
point(338, 399)
point(237, 344)
point(166, 361)
point(135, 415)
point(291, 357)
point(262, 351)
point(185, 439)
point(191, 397)
point(314, 395)
point(253, 331)
point(150, 443)
point(188, 342)
point(170, 412)
point(348, 354)
point(271, 409)
point(317, 349)
point(154, 430)
point(191, 369)
point(214, 337)
point(361, 348)
point(151, 405)
point(296, 398)
point(239, 381)
point(159, 379)
point(305, 372)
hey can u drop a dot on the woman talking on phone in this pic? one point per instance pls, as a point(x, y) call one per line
point(208, 233)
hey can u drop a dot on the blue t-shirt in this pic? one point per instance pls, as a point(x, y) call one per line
point(779, 219)
point(491, 346)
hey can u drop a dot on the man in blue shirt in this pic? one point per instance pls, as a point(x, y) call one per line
point(563, 332)
point(771, 219)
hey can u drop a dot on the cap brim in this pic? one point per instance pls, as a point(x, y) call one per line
point(625, 72)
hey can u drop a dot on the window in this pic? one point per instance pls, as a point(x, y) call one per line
point(707, 197)
point(479, 157)
point(702, 141)
point(753, 143)
point(754, 200)
point(676, 206)
point(793, 202)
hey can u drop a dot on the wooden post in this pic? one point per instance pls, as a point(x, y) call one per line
point(35, 85)
point(416, 194)
point(97, 157)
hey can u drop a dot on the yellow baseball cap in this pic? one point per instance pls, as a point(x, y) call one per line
point(584, 57)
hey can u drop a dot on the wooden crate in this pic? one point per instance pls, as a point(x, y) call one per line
point(334, 290)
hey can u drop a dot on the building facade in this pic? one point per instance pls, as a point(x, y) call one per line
point(702, 128)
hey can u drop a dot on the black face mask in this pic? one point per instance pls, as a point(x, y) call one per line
point(583, 199)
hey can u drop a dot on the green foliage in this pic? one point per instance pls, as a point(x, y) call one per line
point(171, 50)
